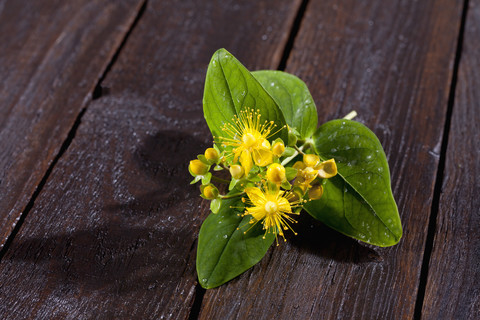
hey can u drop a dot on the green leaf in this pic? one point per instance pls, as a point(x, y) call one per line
point(206, 178)
point(293, 98)
point(230, 88)
point(224, 251)
point(358, 202)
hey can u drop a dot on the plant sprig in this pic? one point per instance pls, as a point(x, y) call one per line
point(264, 124)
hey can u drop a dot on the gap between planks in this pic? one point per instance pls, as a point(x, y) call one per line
point(199, 291)
point(97, 93)
point(432, 225)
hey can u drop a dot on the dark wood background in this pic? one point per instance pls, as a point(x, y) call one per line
point(100, 112)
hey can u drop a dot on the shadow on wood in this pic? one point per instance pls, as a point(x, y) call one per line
point(163, 157)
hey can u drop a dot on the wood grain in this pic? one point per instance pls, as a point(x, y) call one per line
point(52, 55)
point(453, 286)
point(113, 232)
point(392, 63)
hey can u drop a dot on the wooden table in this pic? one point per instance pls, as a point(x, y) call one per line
point(101, 109)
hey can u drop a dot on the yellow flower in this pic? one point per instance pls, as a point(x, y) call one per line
point(248, 137)
point(312, 168)
point(272, 207)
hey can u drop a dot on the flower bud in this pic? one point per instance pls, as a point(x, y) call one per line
point(315, 192)
point(327, 169)
point(197, 167)
point(278, 148)
point(237, 171)
point(276, 173)
point(212, 154)
point(210, 192)
point(311, 160)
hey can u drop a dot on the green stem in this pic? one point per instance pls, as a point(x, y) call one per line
point(220, 180)
point(230, 196)
point(297, 149)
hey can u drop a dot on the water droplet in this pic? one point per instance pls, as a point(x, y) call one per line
point(272, 84)
point(225, 236)
point(333, 150)
point(264, 37)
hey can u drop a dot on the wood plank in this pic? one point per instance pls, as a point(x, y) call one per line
point(52, 55)
point(453, 286)
point(392, 63)
point(113, 232)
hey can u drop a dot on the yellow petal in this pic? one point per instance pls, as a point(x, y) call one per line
point(327, 169)
point(258, 213)
point(246, 161)
point(284, 205)
point(262, 157)
point(315, 192)
point(256, 196)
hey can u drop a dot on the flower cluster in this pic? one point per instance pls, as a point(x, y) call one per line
point(273, 180)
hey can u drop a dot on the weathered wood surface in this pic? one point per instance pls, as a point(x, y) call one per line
point(453, 287)
point(112, 234)
point(392, 62)
point(52, 54)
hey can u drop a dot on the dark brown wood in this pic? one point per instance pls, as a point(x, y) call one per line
point(392, 62)
point(52, 54)
point(113, 232)
point(453, 286)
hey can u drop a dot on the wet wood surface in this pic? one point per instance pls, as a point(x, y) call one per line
point(52, 54)
point(111, 232)
point(454, 270)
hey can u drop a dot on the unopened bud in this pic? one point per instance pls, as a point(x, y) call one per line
point(276, 173)
point(237, 171)
point(198, 167)
point(278, 148)
point(210, 192)
point(212, 154)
